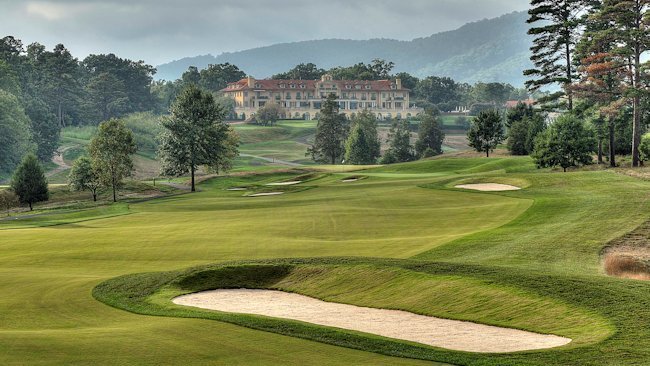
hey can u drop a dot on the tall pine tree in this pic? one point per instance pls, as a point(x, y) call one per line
point(331, 132)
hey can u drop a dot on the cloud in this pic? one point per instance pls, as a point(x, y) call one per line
point(161, 30)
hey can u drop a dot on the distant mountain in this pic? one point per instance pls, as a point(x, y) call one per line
point(488, 50)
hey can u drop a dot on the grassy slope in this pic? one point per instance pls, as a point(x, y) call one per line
point(387, 215)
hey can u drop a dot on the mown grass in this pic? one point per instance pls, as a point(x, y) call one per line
point(537, 246)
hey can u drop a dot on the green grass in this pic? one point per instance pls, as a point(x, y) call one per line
point(526, 259)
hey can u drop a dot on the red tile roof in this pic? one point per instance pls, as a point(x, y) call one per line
point(269, 84)
point(511, 104)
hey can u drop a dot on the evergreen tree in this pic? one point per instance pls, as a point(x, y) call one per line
point(367, 121)
point(84, 177)
point(111, 152)
point(627, 32)
point(195, 135)
point(357, 148)
point(400, 149)
point(566, 143)
point(518, 113)
point(331, 132)
point(29, 182)
point(106, 96)
point(522, 134)
point(486, 132)
point(430, 137)
point(45, 129)
point(559, 23)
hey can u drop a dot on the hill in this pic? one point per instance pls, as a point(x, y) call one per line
point(488, 50)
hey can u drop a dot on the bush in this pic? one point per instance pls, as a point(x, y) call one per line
point(567, 143)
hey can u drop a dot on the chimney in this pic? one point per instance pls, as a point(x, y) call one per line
point(398, 83)
point(251, 82)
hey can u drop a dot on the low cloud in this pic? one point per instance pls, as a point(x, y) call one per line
point(161, 30)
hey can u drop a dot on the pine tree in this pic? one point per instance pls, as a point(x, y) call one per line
point(357, 148)
point(553, 46)
point(29, 182)
point(400, 149)
point(331, 132)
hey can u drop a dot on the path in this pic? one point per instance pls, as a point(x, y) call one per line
point(271, 160)
point(61, 165)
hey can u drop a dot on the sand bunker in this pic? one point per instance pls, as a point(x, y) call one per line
point(236, 189)
point(450, 334)
point(293, 183)
point(350, 180)
point(489, 187)
point(266, 194)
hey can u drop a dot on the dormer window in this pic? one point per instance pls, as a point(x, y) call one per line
point(393, 87)
point(357, 86)
point(282, 86)
point(293, 86)
point(368, 87)
point(348, 87)
point(258, 86)
point(302, 86)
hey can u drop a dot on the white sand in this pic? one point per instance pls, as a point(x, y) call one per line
point(489, 187)
point(237, 189)
point(266, 194)
point(293, 183)
point(350, 180)
point(450, 334)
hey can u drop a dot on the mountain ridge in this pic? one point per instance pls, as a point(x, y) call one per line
point(487, 50)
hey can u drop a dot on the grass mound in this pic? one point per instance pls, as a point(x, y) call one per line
point(434, 290)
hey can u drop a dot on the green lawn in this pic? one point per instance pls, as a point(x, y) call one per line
point(526, 259)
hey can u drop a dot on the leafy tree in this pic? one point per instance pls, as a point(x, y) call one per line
point(216, 77)
point(557, 30)
point(45, 129)
point(486, 132)
point(566, 143)
point(358, 149)
point(8, 200)
point(377, 70)
point(29, 182)
point(269, 114)
point(492, 93)
point(15, 136)
point(191, 77)
point(60, 81)
point(430, 137)
point(644, 148)
point(408, 81)
point(110, 151)
point(195, 135)
point(437, 90)
point(9, 79)
point(331, 132)
point(522, 134)
point(84, 177)
point(307, 71)
point(400, 149)
point(518, 113)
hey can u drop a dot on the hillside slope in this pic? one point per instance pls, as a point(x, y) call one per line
point(487, 50)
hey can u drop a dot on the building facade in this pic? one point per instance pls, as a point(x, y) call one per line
point(302, 99)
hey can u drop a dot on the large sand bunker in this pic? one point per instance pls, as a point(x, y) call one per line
point(292, 183)
point(450, 334)
point(489, 187)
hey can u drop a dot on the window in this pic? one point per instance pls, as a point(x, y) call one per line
point(357, 86)
point(302, 86)
point(393, 87)
point(292, 86)
point(258, 86)
point(288, 96)
point(368, 87)
point(348, 87)
point(282, 86)
point(298, 96)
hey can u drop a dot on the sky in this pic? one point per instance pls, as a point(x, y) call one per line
point(158, 31)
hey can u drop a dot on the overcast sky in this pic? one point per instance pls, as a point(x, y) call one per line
point(158, 31)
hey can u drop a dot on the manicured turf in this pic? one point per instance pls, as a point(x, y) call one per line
point(526, 259)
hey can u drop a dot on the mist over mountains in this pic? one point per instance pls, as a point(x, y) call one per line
point(488, 50)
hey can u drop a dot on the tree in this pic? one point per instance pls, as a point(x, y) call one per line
point(628, 33)
point(110, 151)
point(307, 71)
point(559, 23)
point(331, 132)
point(400, 149)
point(107, 97)
point(216, 77)
point(45, 129)
point(437, 90)
point(15, 136)
point(59, 82)
point(522, 134)
point(367, 121)
point(492, 93)
point(644, 147)
point(566, 143)
point(195, 135)
point(357, 148)
point(84, 177)
point(269, 114)
point(430, 137)
point(486, 132)
point(29, 182)
point(8, 200)
point(518, 113)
